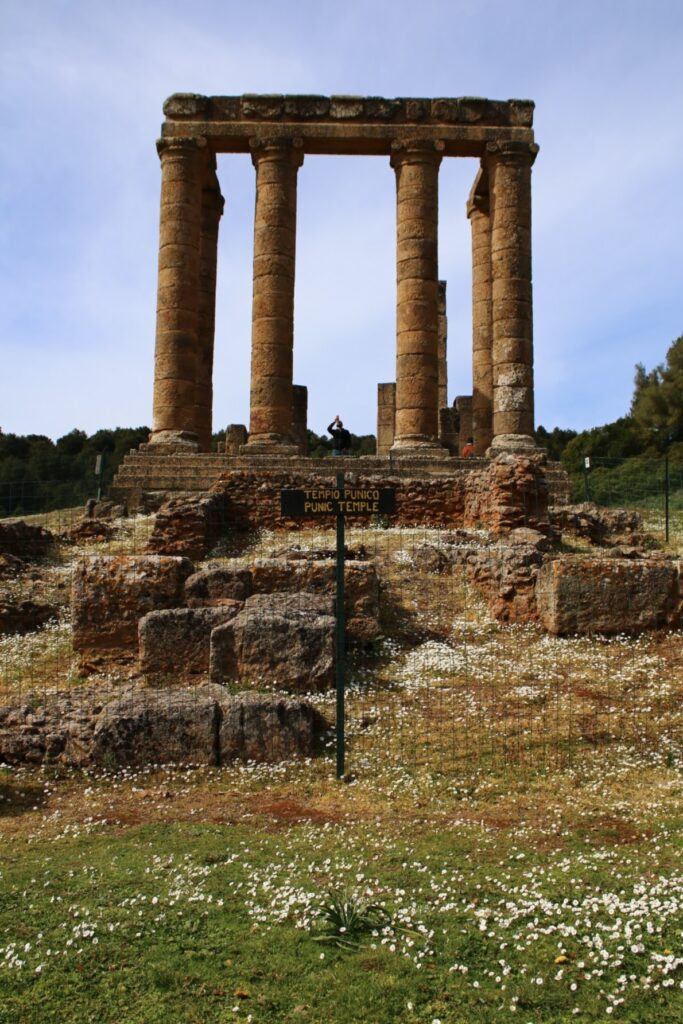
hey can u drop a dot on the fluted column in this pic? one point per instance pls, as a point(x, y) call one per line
point(417, 177)
point(509, 168)
point(442, 379)
point(183, 164)
point(482, 337)
point(212, 211)
point(276, 163)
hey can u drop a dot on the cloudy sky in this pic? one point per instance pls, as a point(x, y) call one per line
point(82, 84)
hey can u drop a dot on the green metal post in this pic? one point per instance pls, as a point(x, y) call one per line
point(340, 636)
point(666, 494)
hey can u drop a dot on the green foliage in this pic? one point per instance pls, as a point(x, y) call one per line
point(348, 918)
point(38, 474)
point(619, 440)
point(554, 441)
point(657, 404)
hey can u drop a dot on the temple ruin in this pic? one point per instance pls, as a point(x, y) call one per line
point(415, 421)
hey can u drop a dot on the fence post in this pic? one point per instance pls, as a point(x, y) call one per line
point(666, 494)
point(340, 634)
point(586, 467)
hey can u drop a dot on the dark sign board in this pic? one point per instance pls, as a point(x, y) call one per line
point(338, 501)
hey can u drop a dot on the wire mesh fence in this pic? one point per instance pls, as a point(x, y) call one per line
point(434, 680)
point(651, 485)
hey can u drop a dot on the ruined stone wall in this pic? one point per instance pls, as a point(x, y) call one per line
point(501, 495)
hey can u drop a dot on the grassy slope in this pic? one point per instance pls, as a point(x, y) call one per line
point(532, 880)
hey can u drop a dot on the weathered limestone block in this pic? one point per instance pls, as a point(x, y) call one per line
point(286, 640)
point(506, 574)
point(512, 494)
point(24, 541)
point(176, 640)
point(235, 436)
point(268, 727)
point(189, 526)
point(24, 616)
point(217, 586)
point(140, 726)
point(601, 526)
point(158, 727)
point(608, 595)
point(361, 591)
point(111, 593)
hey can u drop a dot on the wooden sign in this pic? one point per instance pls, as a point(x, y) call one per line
point(338, 501)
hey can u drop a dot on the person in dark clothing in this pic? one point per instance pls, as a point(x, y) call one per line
point(341, 439)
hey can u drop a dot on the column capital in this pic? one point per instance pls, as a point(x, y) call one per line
point(277, 148)
point(417, 151)
point(212, 200)
point(478, 203)
point(512, 151)
point(180, 145)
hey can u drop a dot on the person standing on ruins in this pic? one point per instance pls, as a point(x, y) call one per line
point(341, 439)
point(468, 449)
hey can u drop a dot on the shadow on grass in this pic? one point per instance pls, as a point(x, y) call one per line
point(17, 797)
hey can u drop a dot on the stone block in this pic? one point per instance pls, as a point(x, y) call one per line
point(319, 577)
point(268, 727)
point(111, 593)
point(217, 586)
point(158, 727)
point(283, 640)
point(176, 640)
point(608, 595)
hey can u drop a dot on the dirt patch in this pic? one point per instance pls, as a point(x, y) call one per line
point(289, 811)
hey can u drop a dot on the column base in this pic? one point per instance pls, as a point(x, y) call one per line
point(269, 445)
point(524, 444)
point(182, 440)
point(418, 446)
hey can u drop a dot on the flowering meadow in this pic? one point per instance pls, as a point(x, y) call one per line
point(506, 845)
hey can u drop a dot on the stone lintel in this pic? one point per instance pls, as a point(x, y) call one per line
point(350, 139)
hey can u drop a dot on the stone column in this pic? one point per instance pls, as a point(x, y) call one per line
point(463, 408)
point(482, 326)
point(175, 361)
point(386, 415)
point(300, 417)
point(509, 167)
point(212, 211)
point(442, 347)
point(417, 176)
point(276, 163)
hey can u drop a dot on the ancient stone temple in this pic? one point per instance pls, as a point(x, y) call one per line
point(416, 135)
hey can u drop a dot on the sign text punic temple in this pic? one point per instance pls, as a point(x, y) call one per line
point(415, 135)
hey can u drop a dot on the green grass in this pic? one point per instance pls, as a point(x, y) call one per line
point(498, 895)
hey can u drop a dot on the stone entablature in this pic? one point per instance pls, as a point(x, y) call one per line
point(349, 124)
point(279, 132)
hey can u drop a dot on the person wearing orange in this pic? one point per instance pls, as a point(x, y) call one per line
point(468, 448)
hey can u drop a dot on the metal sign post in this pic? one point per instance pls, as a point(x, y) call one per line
point(340, 647)
point(341, 501)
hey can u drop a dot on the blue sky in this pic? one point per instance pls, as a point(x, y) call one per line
point(81, 91)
